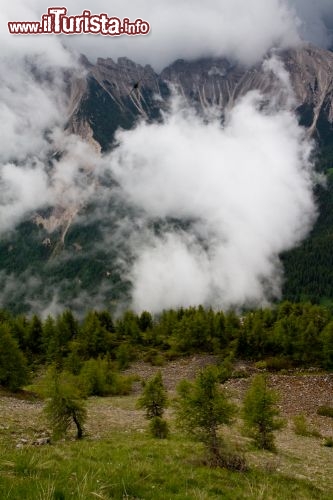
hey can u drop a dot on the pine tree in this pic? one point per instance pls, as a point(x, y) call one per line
point(65, 406)
point(13, 369)
point(34, 340)
point(93, 337)
point(154, 400)
point(202, 407)
point(326, 337)
point(145, 321)
point(49, 333)
point(260, 413)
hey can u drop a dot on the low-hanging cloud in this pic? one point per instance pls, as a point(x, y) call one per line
point(244, 188)
point(243, 191)
point(239, 29)
point(40, 163)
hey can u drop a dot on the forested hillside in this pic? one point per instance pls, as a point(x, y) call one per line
point(309, 268)
point(287, 336)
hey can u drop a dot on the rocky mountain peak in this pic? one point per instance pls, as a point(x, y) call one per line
point(116, 93)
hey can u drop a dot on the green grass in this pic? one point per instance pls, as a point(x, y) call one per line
point(118, 459)
point(133, 465)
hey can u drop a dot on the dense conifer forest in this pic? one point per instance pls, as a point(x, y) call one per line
point(288, 335)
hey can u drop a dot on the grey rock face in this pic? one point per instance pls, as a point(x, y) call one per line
point(127, 90)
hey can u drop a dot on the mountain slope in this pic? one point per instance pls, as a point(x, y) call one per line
point(117, 94)
point(61, 257)
point(218, 82)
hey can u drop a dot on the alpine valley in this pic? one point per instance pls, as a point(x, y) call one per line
point(60, 254)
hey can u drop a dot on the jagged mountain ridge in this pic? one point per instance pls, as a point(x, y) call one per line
point(124, 90)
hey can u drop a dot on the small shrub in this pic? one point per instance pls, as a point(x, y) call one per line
point(230, 457)
point(301, 427)
point(98, 378)
point(276, 364)
point(233, 461)
point(172, 355)
point(93, 377)
point(325, 411)
point(159, 428)
point(154, 357)
point(158, 360)
point(124, 355)
point(328, 442)
point(240, 374)
point(119, 385)
point(261, 365)
point(225, 370)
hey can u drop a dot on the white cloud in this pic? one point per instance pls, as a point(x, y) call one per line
point(34, 111)
point(242, 29)
point(21, 191)
point(164, 272)
point(246, 187)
